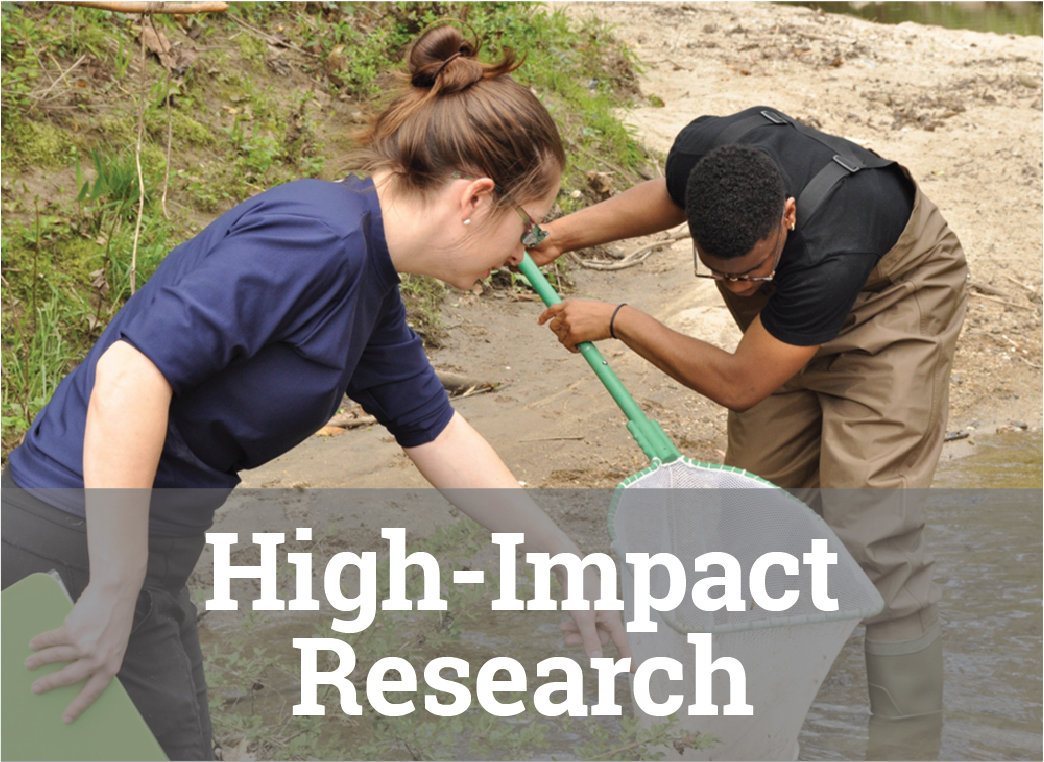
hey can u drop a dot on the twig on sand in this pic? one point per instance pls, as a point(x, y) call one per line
point(1022, 285)
point(987, 289)
point(638, 255)
point(553, 439)
point(349, 421)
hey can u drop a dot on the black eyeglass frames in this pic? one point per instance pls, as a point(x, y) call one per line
point(742, 278)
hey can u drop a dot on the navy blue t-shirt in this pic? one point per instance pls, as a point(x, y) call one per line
point(261, 324)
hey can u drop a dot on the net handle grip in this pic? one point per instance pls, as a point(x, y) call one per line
point(646, 432)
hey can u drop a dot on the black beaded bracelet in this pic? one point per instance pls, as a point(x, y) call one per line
point(613, 318)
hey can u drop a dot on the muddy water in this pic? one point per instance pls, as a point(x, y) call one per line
point(988, 547)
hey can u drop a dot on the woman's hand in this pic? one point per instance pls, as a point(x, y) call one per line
point(577, 321)
point(596, 629)
point(93, 639)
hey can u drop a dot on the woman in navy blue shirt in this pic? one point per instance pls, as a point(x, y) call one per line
point(244, 342)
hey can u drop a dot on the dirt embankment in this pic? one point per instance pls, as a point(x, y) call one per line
point(961, 109)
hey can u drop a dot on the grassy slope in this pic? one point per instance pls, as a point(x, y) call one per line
point(273, 96)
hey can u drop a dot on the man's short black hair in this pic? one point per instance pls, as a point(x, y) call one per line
point(734, 198)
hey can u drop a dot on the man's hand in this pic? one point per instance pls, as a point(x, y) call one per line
point(548, 250)
point(578, 321)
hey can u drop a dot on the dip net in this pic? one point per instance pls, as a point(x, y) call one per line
point(685, 508)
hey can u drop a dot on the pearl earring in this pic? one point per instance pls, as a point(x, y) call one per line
point(467, 221)
point(793, 225)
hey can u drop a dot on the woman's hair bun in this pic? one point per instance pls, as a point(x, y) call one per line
point(445, 61)
point(453, 113)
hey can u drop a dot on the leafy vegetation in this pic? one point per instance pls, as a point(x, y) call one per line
point(262, 95)
point(248, 671)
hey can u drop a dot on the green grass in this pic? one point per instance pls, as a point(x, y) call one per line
point(69, 105)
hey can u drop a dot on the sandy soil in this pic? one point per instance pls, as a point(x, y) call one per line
point(961, 109)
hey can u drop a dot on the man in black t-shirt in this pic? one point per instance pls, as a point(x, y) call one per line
point(850, 290)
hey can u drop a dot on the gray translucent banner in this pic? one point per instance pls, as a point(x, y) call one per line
point(751, 635)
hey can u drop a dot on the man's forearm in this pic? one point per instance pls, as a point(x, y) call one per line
point(642, 210)
point(736, 380)
point(696, 364)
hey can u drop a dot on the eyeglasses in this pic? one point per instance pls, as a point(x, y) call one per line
point(532, 235)
point(743, 278)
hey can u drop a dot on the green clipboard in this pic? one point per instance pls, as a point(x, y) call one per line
point(110, 729)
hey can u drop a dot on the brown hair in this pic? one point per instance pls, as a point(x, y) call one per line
point(454, 113)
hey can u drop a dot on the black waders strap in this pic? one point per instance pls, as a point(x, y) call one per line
point(819, 187)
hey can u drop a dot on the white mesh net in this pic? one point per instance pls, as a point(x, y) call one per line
point(687, 509)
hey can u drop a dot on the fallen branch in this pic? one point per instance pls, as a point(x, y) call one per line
point(170, 125)
point(139, 7)
point(460, 386)
point(552, 439)
point(270, 39)
point(638, 255)
point(632, 259)
point(137, 161)
point(474, 390)
point(601, 161)
point(349, 421)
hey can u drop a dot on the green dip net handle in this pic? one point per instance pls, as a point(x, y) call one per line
point(646, 432)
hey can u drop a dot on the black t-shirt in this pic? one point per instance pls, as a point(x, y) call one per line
point(826, 261)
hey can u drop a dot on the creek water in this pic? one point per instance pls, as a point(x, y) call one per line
point(1002, 18)
point(986, 537)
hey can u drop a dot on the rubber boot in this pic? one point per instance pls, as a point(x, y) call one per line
point(907, 738)
point(905, 678)
point(906, 687)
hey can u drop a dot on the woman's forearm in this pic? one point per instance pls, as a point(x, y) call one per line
point(460, 460)
point(461, 463)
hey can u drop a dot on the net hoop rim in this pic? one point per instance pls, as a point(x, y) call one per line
point(670, 621)
point(656, 464)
